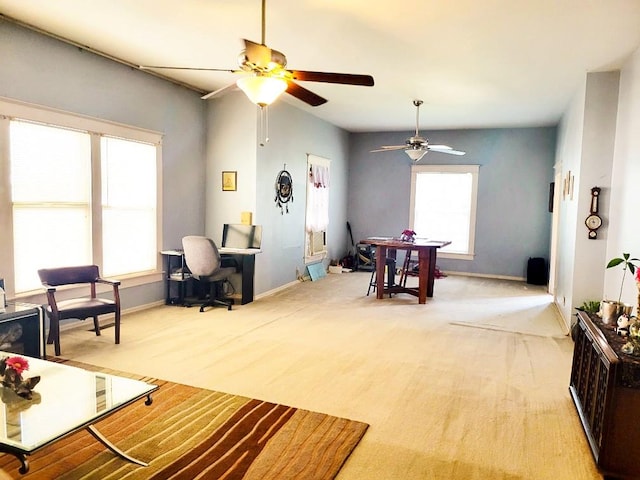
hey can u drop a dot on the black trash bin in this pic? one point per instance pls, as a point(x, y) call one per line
point(537, 272)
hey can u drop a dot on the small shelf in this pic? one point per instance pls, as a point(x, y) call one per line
point(178, 279)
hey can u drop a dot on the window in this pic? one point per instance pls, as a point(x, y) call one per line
point(317, 212)
point(128, 205)
point(51, 199)
point(443, 206)
point(79, 191)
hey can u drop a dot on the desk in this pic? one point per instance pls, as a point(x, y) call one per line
point(177, 271)
point(426, 264)
point(244, 259)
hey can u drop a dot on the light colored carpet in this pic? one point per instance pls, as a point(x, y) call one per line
point(472, 385)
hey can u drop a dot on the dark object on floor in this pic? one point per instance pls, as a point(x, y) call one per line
point(537, 272)
point(365, 258)
point(350, 259)
point(80, 308)
point(203, 260)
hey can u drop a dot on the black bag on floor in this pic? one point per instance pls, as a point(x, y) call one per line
point(537, 273)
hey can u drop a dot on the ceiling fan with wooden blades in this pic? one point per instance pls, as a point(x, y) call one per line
point(268, 76)
point(417, 147)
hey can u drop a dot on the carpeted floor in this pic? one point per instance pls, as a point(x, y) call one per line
point(485, 400)
point(190, 433)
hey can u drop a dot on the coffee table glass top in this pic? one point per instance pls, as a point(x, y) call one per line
point(65, 400)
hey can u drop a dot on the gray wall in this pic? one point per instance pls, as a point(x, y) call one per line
point(40, 70)
point(513, 222)
point(233, 145)
point(294, 134)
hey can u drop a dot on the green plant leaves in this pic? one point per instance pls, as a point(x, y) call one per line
point(628, 264)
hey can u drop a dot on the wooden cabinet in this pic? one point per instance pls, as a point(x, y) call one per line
point(605, 387)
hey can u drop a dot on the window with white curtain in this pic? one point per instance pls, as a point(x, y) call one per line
point(317, 212)
point(78, 191)
point(443, 206)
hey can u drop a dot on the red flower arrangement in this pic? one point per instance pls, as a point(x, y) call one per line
point(408, 235)
point(11, 370)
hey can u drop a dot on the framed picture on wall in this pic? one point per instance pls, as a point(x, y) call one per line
point(229, 180)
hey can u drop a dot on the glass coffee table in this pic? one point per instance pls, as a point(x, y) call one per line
point(66, 399)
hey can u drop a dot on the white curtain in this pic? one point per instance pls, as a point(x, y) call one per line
point(318, 195)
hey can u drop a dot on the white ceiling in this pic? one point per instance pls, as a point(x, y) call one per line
point(492, 63)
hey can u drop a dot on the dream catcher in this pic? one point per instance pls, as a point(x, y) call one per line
point(284, 190)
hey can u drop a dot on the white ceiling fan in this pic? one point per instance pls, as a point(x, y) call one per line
point(417, 147)
point(265, 75)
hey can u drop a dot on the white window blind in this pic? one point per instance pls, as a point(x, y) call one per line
point(50, 191)
point(129, 200)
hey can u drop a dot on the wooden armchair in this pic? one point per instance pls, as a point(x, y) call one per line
point(81, 308)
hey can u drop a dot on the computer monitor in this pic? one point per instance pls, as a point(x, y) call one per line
point(237, 235)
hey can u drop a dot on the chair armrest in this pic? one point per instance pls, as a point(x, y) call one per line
point(50, 289)
point(108, 281)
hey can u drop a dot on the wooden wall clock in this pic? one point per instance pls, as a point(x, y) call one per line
point(593, 221)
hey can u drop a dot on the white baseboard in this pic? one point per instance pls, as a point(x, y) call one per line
point(276, 290)
point(484, 275)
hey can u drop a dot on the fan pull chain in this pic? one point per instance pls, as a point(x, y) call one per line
point(264, 21)
point(263, 125)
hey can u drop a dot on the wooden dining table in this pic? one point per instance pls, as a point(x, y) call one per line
point(427, 251)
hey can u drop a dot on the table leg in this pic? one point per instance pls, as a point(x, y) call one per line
point(102, 439)
point(24, 467)
point(381, 261)
point(432, 271)
point(423, 274)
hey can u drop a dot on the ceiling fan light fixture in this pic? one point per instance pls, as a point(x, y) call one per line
point(262, 90)
point(415, 154)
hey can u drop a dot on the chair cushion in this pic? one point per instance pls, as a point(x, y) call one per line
point(220, 274)
point(84, 307)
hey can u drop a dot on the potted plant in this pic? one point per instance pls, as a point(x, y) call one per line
point(611, 309)
point(590, 306)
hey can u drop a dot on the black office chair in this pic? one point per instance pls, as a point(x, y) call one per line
point(203, 260)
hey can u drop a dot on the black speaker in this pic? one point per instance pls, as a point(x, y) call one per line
point(537, 273)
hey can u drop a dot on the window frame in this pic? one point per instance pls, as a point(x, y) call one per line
point(466, 169)
point(16, 110)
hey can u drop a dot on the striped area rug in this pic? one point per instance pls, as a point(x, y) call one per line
point(189, 433)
